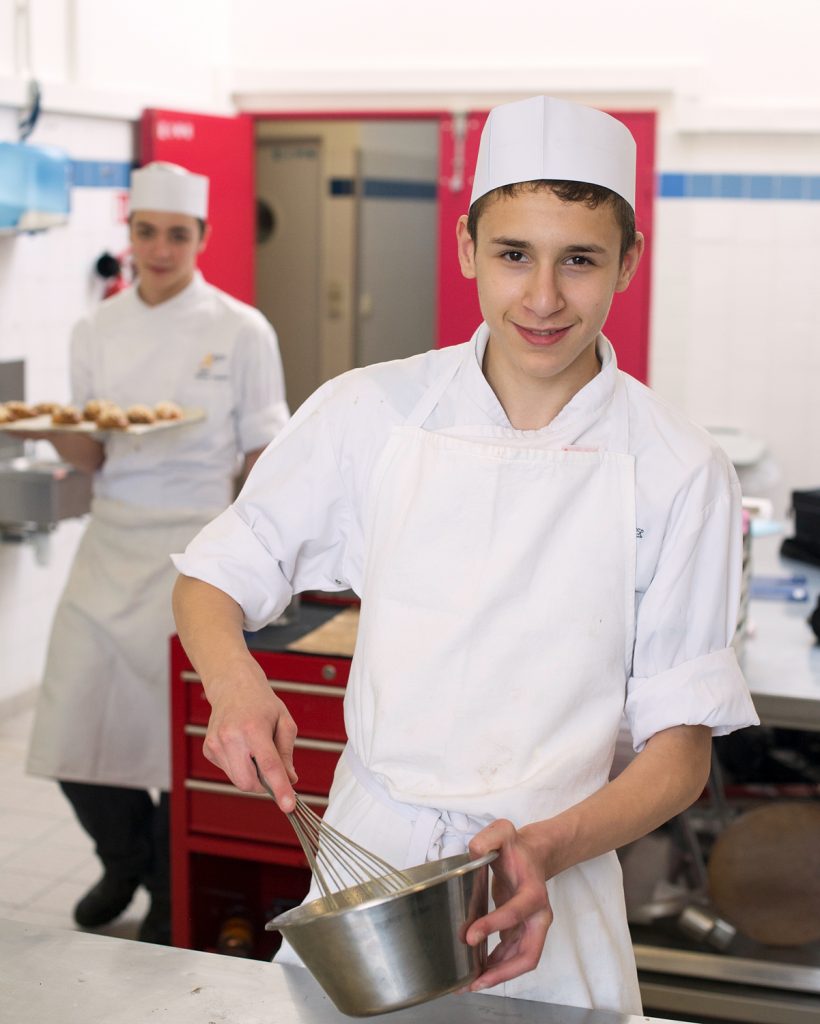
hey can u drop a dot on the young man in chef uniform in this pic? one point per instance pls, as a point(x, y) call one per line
point(102, 720)
point(540, 545)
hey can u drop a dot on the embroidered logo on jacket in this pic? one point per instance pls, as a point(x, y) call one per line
point(212, 367)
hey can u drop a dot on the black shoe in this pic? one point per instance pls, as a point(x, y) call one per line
point(105, 901)
point(157, 924)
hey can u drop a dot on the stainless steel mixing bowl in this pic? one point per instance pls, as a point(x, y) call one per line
point(373, 955)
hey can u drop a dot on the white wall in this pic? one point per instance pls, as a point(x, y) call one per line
point(734, 82)
point(47, 281)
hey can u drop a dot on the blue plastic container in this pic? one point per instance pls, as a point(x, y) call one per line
point(35, 187)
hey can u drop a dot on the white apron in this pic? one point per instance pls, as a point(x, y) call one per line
point(103, 709)
point(490, 672)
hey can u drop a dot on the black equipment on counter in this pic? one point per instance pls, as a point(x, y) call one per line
point(805, 545)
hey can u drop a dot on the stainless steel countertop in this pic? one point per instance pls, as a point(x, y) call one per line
point(781, 660)
point(51, 976)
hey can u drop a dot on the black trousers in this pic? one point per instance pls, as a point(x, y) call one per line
point(130, 831)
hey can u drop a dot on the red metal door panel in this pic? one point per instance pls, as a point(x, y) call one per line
point(222, 148)
point(458, 310)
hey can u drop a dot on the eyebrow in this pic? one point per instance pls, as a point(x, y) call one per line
point(510, 243)
point(518, 243)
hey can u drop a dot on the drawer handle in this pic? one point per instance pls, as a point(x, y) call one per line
point(225, 789)
point(284, 686)
point(330, 746)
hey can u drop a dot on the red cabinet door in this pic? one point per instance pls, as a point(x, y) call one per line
point(458, 312)
point(221, 148)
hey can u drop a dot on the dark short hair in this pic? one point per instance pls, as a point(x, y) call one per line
point(568, 192)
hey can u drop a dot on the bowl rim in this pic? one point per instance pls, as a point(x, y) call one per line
point(427, 883)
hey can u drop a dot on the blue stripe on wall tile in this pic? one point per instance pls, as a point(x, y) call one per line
point(341, 187)
point(385, 188)
point(731, 186)
point(670, 184)
point(100, 173)
point(788, 186)
point(762, 186)
point(674, 185)
point(702, 186)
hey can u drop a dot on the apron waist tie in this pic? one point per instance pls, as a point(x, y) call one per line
point(436, 834)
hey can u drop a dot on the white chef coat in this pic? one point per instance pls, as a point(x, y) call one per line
point(102, 715)
point(202, 349)
point(327, 475)
point(688, 519)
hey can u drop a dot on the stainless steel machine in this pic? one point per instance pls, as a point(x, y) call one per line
point(35, 495)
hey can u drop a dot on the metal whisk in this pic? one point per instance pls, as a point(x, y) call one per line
point(355, 874)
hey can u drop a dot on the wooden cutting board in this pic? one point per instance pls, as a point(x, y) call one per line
point(336, 637)
point(764, 874)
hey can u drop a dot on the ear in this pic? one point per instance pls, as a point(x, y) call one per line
point(203, 242)
point(629, 264)
point(466, 248)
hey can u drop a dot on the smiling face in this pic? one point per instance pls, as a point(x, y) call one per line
point(546, 272)
point(165, 247)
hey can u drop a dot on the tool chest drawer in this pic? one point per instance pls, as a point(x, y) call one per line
point(317, 709)
point(314, 760)
point(228, 847)
point(218, 808)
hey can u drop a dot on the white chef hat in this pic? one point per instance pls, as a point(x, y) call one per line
point(170, 188)
point(542, 137)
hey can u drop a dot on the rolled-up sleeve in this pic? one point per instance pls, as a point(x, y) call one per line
point(259, 385)
point(684, 669)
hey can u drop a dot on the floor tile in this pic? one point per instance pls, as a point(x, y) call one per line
point(7, 848)
point(68, 833)
point(52, 862)
point(21, 827)
point(33, 795)
point(47, 861)
point(18, 889)
point(43, 918)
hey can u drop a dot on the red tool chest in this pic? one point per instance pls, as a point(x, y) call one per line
point(234, 854)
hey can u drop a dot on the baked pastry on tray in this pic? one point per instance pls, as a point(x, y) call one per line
point(168, 411)
point(140, 414)
point(66, 415)
point(111, 417)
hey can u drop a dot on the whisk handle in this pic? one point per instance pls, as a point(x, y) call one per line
point(263, 780)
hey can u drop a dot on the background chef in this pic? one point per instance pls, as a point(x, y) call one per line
point(539, 544)
point(101, 726)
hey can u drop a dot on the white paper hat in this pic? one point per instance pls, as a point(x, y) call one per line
point(542, 137)
point(169, 188)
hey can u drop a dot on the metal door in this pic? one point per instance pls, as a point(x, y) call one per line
point(288, 255)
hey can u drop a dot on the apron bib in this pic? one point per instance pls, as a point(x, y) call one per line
point(489, 678)
point(496, 626)
point(103, 709)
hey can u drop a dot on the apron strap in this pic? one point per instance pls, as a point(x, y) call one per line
point(435, 834)
point(620, 417)
point(429, 400)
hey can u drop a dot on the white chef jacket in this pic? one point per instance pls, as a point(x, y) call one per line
point(102, 713)
point(202, 349)
point(312, 536)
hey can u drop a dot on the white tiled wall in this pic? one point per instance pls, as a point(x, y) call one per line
point(47, 281)
point(735, 324)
